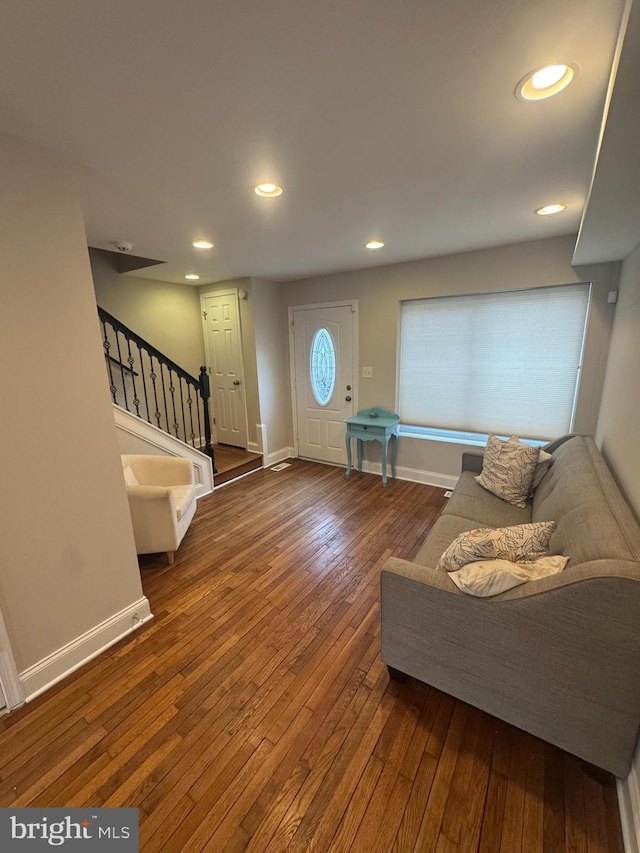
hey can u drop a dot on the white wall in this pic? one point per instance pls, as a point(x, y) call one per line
point(618, 433)
point(68, 555)
point(166, 315)
point(379, 291)
point(618, 436)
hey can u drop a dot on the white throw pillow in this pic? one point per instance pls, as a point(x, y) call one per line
point(508, 469)
point(522, 542)
point(491, 577)
point(129, 477)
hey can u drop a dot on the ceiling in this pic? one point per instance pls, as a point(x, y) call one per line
point(387, 120)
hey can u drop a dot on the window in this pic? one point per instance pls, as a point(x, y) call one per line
point(322, 367)
point(506, 362)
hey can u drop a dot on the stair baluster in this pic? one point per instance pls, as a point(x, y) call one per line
point(127, 374)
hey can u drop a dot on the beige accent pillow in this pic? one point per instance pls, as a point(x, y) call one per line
point(491, 577)
point(522, 542)
point(508, 469)
point(544, 463)
point(129, 477)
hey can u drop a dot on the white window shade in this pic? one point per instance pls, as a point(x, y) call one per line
point(507, 363)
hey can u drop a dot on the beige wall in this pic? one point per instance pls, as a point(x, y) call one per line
point(380, 289)
point(166, 315)
point(272, 357)
point(618, 433)
point(68, 556)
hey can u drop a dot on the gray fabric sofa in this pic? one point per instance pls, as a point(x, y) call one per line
point(558, 657)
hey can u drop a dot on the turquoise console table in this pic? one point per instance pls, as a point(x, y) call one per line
point(374, 425)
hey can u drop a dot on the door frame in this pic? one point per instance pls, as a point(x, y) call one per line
point(10, 685)
point(342, 303)
point(229, 291)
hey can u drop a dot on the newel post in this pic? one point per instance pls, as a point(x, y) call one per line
point(205, 393)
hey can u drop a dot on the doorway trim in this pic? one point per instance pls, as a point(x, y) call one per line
point(229, 291)
point(342, 303)
point(10, 684)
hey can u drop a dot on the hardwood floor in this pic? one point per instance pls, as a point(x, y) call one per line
point(232, 462)
point(254, 714)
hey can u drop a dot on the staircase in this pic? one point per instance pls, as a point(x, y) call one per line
point(149, 385)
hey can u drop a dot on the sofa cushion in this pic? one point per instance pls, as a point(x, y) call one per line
point(183, 497)
point(508, 469)
point(593, 520)
point(471, 501)
point(442, 534)
point(518, 543)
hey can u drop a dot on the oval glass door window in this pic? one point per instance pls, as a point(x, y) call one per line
point(322, 367)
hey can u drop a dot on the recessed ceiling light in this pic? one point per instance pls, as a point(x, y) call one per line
point(549, 209)
point(268, 190)
point(192, 276)
point(545, 82)
point(202, 244)
point(374, 244)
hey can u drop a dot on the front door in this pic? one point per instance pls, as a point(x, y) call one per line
point(324, 379)
point(224, 352)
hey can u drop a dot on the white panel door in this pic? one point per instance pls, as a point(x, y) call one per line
point(324, 377)
point(227, 379)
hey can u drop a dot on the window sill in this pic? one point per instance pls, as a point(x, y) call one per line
point(449, 436)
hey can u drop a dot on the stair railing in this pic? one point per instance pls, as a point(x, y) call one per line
point(146, 383)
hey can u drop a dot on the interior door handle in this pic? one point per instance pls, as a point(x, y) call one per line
point(348, 399)
point(236, 381)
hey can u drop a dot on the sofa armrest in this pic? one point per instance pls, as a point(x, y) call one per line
point(472, 460)
point(154, 518)
point(559, 661)
point(160, 470)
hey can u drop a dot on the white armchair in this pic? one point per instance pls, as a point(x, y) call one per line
point(162, 501)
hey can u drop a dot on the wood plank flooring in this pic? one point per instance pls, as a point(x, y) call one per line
point(232, 462)
point(254, 714)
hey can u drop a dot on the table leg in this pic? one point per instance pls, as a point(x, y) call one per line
point(394, 455)
point(359, 440)
point(348, 472)
point(385, 443)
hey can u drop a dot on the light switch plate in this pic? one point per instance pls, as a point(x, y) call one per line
point(367, 372)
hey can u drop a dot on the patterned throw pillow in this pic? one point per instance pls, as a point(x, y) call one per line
point(520, 543)
point(508, 469)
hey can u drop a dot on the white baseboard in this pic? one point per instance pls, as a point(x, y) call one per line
point(278, 456)
point(56, 666)
point(262, 443)
point(629, 803)
point(413, 475)
point(253, 447)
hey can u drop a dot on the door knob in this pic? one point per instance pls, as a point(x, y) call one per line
point(348, 399)
point(348, 387)
point(236, 381)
